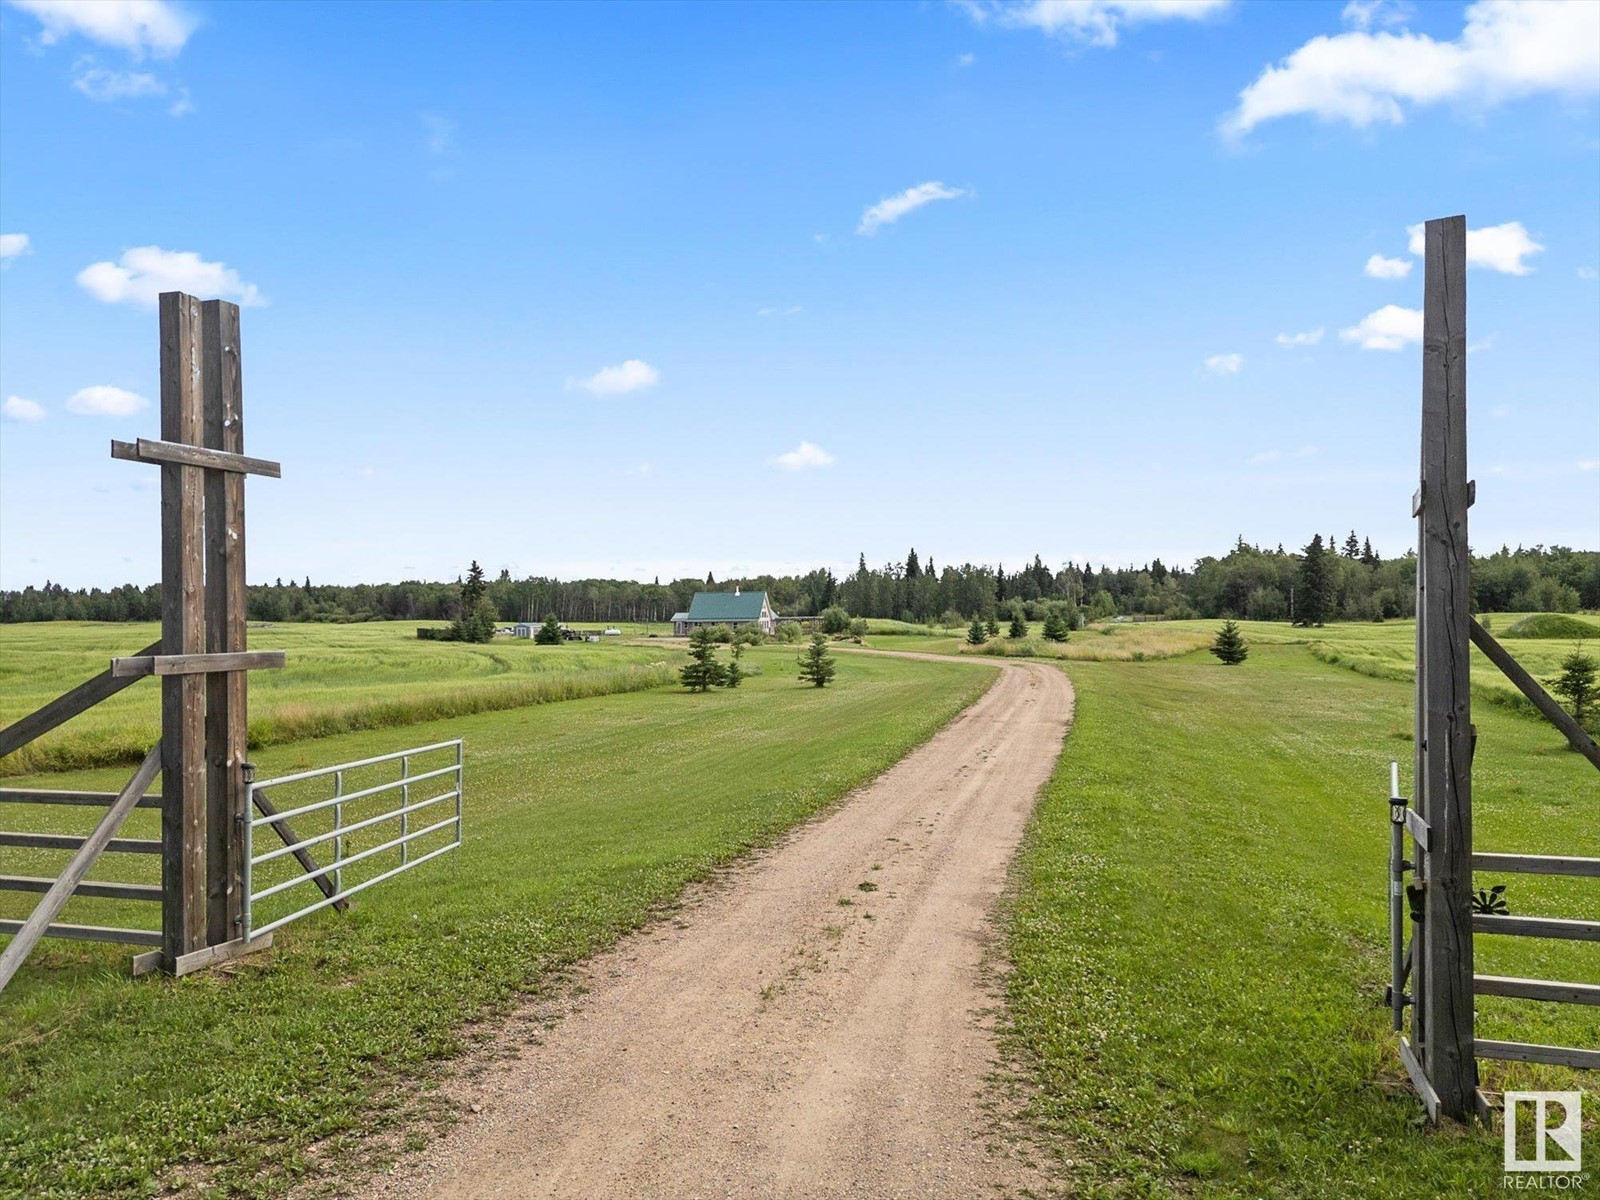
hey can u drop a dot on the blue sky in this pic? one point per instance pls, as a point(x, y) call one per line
point(651, 290)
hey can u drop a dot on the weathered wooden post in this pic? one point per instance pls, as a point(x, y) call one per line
point(227, 716)
point(183, 631)
point(1443, 964)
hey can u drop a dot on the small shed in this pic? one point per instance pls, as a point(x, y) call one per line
point(524, 629)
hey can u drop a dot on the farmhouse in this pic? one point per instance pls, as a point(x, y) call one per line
point(726, 608)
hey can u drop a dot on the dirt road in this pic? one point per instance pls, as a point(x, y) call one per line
point(812, 1027)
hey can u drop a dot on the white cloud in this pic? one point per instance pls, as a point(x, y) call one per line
point(1589, 464)
point(16, 408)
point(804, 457)
point(1498, 247)
point(618, 380)
point(775, 311)
point(144, 272)
point(1364, 14)
point(438, 133)
point(1508, 48)
point(106, 85)
point(14, 245)
point(138, 26)
point(182, 106)
point(966, 60)
point(1309, 338)
point(1379, 267)
point(1095, 22)
point(892, 208)
point(1225, 364)
point(1389, 328)
point(106, 401)
point(1588, 273)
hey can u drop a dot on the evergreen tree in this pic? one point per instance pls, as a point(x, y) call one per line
point(976, 635)
point(1368, 558)
point(702, 672)
point(711, 581)
point(913, 571)
point(1000, 585)
point(1056, 626)
point(733, 674)
point(1313, 594)
point(1230, 645)
point(549, 633)
point(816, 664)
point(992, 626)
point(473, 588)
point(1352, 547)
point(1019, 623)
point(1576, 683)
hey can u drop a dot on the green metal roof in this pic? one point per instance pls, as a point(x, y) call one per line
point(726, 606)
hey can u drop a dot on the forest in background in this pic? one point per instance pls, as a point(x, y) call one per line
point(1324, 580)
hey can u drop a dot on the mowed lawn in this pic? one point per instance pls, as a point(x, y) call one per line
point(1200, 935)
point(338, 679)
point(582, 820)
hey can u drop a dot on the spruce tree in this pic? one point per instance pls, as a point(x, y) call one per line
point(1230, 645)
point(549, 633)
point(1368, 558)
point(733, 673)
point(976, 634)
point(1576, 683)
point(992, 626)
point(1019, 624)
point(1352, 547)
point(1056, 627)
point(1313, 594)
point(816, 664)
point(702, 672)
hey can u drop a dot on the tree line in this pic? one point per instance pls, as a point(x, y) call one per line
point(1328, 579)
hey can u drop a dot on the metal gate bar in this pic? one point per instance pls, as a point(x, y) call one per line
point(341, 830)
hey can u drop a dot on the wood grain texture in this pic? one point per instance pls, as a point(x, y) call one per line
point(145, 450)
point(1444, 744)
point(183, 768)
point(196, 664)
point(227, 714)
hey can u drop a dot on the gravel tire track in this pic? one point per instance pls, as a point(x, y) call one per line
point(815, 1025)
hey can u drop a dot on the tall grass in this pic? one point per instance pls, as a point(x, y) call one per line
point(293, 721)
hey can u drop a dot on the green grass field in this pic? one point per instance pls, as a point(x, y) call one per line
point(583, 819)
point(1198, 930)
point(1200, 937)
point(338, 679)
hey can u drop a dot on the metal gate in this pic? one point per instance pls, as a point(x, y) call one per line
point(375, 810)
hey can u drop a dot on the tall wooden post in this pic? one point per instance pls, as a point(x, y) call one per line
point(1444, 1015)
point(227, 720)
point(183, 697)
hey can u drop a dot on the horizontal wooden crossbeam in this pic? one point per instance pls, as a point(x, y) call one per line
point(1536, 989)
point(196, 664)
point(1538, 864)
point(1547, 927)
point(93, 933)
point(63, 708)
point(1561, 1056)
point(105, 891)
point(88, 799)
point(65, 841)
point(175, 453)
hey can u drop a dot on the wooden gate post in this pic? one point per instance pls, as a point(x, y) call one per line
point(1443, 1017)
point(183, 697)
point(227, 720)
